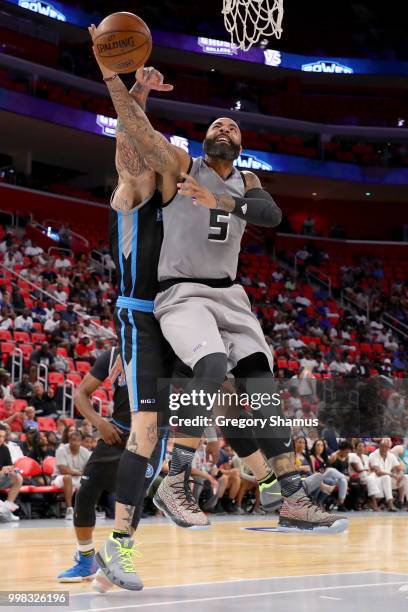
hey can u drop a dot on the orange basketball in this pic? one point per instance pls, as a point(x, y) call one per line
point(123, 42)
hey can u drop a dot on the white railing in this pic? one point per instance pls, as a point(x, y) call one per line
point(53, 298)
point(397, 326)
point(17, 361)
point(68, 392)
point(42, 374)
point(59, 250)
point(320, 277)
point(98, 401)
point(345, 299)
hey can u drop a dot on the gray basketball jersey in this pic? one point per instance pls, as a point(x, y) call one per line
point(198, 242)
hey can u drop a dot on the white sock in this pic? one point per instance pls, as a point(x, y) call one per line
point(84, 548)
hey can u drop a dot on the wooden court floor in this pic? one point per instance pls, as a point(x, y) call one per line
point(30, 558)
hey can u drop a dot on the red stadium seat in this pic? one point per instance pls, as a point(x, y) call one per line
point(56, 378)
point(75, 378)
point(19, 405)
point(22, 336)
point(38, 337)
point(62, 351)
point(5, 335)
point(48, 466)
point(83, 366)
point(29, 467)
point(46, 424)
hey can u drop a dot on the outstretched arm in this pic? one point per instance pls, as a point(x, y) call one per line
point(157, 152)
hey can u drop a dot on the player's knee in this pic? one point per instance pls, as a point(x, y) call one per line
point(85, 501)
point(212, 369)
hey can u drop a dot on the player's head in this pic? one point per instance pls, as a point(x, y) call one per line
point(223, 139)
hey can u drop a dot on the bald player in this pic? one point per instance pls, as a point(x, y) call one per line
point(207, 205)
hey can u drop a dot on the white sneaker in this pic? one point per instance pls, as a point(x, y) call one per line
point(100, 583)
point(69, 515)
point(11, 506)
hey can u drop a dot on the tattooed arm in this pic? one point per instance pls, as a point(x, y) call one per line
point(158, 153)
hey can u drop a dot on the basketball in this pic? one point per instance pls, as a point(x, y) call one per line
point(123, 42)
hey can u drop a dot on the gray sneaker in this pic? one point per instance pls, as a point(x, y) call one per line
point(271, 496)
point(115, 559)
point(175, 499)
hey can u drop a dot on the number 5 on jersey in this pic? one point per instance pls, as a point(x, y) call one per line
point(219, 225)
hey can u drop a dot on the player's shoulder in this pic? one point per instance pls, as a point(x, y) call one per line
point(251, 180)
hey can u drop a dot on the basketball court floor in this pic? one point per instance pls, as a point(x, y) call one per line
point(238, 564)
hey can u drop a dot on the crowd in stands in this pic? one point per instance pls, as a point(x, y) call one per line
point(331, 361)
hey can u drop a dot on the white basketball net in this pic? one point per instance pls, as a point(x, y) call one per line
point(247, 21)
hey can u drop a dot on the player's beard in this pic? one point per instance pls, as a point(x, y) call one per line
point(221, 150)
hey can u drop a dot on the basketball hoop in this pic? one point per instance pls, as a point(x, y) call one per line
point(247, 21)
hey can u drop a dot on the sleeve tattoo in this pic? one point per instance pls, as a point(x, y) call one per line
point(153, 146)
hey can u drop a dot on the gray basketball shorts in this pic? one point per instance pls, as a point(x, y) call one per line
point(198, 320)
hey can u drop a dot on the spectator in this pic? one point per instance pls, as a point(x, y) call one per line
point(360, 469)
point(24, 321)
point(99, 349)
point(61, 425)
point(386, 467)
point(42, 355)
point(5, 384)
point(10, 478)
point(52, 443)
point(88, 442)
point(38, 312)
point(89, 329)
point(62, 261)
point(29, 421)
point(8, 416)
point(83, 350)
point(6, 321)
point(60, 363)
point(41, 401)
point(51, 324)
point(105, 331)
point(62, 336)
point(68, 430)
point(49, 273)
point(69, 314)
point(60, 293)
point(86, 428)
point(321, 463)
point(71, 459)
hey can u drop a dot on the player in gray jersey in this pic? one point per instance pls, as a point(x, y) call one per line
point(203, 313)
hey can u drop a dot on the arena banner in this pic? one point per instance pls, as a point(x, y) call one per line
point(213, 47)
point(249, 159)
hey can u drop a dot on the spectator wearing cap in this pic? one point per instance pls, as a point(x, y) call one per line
point(24, 322)
point(24, 389)
point(386, 367)
point(71, 459)
point(9, 477)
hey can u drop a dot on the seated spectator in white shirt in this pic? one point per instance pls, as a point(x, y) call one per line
point(349, 365)
point(388, 470)
point(62, 261)
point(71, 459)
point(60, 293)
point(391, 344)
point(337, 367)
point(32, 251)
point(105, 331)
point(53, 323)
point(89, 329)
point(401, 452)
point(6, 322)
point(13, 257)
point(360, 468)
point(6, 388)
point(24, 321)
point(295, 343)
point(277, 276)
